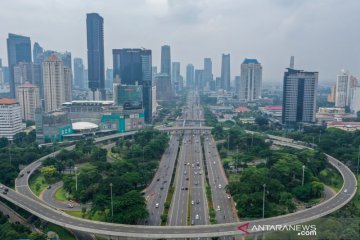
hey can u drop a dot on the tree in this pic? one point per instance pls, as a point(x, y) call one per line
point(48, 172)
point(4, 142)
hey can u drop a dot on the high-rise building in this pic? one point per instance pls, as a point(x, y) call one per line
point(175, 76)
point(166, 60)
point(128, 96)
point(10, 116)
point(207, 74)
point(57, 83)
point(225, 72)
point(37, 53)
point(95, 53)
point(79, 81)
point(355, 103)
point(250, 80)
point(135, 65)
point(199, 78)
point(19, 50)
point(163, 87)
point(190, 76)
point(332, 96)
point(28, 96)
point(109, 78)
point(27, 72)
point(299, 97)
point(344, 89)
point(154, 72)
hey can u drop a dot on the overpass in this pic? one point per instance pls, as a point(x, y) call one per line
point(36, 207)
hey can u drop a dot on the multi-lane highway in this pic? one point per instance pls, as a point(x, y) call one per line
point(156, 192)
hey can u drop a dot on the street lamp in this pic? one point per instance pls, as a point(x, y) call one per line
point(76, 184)
point(263, 212)
point(303, 172)
point(111, 197)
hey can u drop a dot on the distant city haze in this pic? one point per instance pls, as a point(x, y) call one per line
point(323, 36)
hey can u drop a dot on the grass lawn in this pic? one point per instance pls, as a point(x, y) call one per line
point(37, 183)
point(97, 217)
point(61, 195)
point(234, 177)
point(63, 233)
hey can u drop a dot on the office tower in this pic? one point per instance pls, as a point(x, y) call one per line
point(175, 76)
point(10, 115)
point(57, 83)
point(299, 96)
point(237, 86)
point(207, 74)
point(225, 72)
point(163, 87)
point(95, 53)
point(2, 83)
point(109, 78)
point(135, 65)
point(345, 85)
point(166, 60)
point(0, 63)
point(190, 76)
point(198, 78)
point(37, 53)
point(154, 72)
point(79, 74)
point(27, 72)
point(19, 50)
point(28, 96)
point(250, 80)
point(128, 96)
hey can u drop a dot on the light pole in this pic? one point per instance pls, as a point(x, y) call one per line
point(263, 212)
point(303, 168)
point(111, 197)
point(76, 185)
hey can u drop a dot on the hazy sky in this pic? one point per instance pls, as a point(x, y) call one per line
point(323, 35)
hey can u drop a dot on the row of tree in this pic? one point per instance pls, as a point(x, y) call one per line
point(126, 177)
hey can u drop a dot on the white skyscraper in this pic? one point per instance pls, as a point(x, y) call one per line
point(57, 83)
point(28, 96)
point(355, 103)
point(345, 85)
point(250, 80)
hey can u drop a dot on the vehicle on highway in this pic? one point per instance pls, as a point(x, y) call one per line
point(198, 201)
point(214, 162)
point(21, 175)
point(6, 189)
point(197, 217)
point(1, 186)
point(4, 192)
point(184, 172)
point(157, 205)
point(70, 205)
point(219, 185)
point(228, 196)
point(28, 172)
point(192, 222)
point(218, 208)
point(345, 191)
point(48, 187)
point(192, 202)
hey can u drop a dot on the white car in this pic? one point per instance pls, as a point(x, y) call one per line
point(219, 185)
point(157, 205)
point(214, 162)
point(192, 202)
point(228, 196)
point(70, 205)
point(345, 191)
point(197, 217)
point(218, 208)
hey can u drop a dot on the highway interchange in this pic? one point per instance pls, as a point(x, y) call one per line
point(180, 226)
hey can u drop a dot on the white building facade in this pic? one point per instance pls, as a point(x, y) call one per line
point(249, 88)
point(10, 118)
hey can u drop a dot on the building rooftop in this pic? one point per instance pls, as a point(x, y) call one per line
point(7, 101)
point(242, 109)
point(273, 108)
point(53, 58)
point(79, 126)
point(250, 60)
point(27, 85)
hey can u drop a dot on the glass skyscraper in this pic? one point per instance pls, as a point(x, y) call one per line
point(19, 50)
point(95, 53)
point(135, 66)
point(225, 72)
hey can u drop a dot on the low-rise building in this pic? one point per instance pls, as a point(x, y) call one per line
point(346, 126)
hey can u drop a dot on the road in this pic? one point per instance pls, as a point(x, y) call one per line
point(155, 193)
point(47, 213)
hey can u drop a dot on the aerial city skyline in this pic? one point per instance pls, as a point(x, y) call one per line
point(179, 119)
